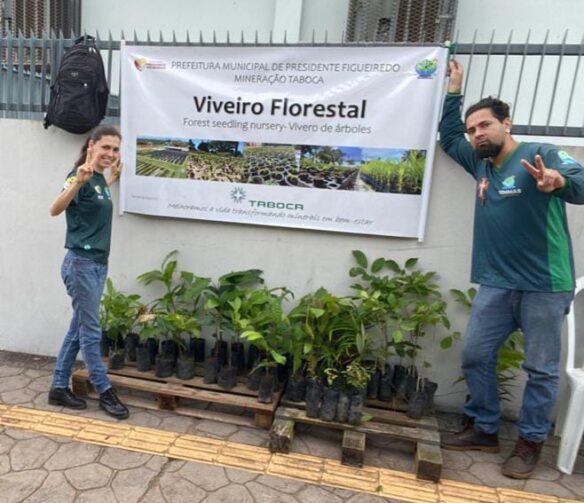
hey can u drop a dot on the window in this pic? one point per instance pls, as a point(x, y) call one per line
point(414, 21)
point(35, 17)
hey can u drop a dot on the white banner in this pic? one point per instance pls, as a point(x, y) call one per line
point(331, 138)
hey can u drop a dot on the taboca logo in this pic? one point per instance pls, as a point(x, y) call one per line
point(426, 68)
point(142, 64)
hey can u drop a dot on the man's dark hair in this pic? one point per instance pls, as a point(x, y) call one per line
point(499, 108)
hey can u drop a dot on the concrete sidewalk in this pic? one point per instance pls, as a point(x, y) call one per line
point(41, 467)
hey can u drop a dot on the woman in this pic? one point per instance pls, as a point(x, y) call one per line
point(87, 202)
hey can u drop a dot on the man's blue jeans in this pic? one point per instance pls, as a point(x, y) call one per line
point(495, 314)
point(84, 279)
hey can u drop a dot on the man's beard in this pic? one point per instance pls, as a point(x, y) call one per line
point(488, 149)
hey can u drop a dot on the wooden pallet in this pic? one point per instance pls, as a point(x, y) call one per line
point(170, 394)
point(388, 423)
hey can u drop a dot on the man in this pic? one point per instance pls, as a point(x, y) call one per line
point(522, 260)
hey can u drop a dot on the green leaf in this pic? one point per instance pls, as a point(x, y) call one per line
point(360, 258)
point(411, 262)
point(316, 312)
point(366, 417)
point(446, 343)
point(278, 358)
point(377, 265)
point(251, 335)
point(356, 271)
point(397, 336)
point(392, 265)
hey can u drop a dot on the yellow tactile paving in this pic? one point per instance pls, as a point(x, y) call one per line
point(379, 481)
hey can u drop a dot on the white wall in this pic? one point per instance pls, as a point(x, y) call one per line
point(295, 17)
point(35, 311)
point(520, 16)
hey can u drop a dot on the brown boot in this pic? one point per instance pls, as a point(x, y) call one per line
point(523, 460)
point(471, 440)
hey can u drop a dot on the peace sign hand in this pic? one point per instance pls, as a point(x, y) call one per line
point(548, 180)
point(85, 171)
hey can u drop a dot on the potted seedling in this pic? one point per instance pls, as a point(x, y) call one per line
point(121, 314)
point(191, 299)
point(178, 325)
point(413, 305)
point(147, 348)
point(263, 323)
point(323, 317)
point(218, 314)
point(176, 309)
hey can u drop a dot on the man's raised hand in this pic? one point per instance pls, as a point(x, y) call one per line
point(456, 73)
point(548, 180)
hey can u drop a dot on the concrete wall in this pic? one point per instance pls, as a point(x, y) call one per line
point(34, 310)
point(298, 18)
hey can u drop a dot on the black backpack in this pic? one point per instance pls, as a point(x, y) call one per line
point(79, 94)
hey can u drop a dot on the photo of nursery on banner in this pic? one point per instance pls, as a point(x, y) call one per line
point(330, 138)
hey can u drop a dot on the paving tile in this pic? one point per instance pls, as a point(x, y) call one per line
point(24, 397)
point(549, 488)
point(120, 459)
point(236, 493)
point(460, 476)
point(71, 455)
point(178, 424)
point(157, 463)
point(130, 485)
point(31, 453)
point(546, 472)
point(175, 489)
point(41, 384)
point(315, 494)
point(207, 477)
point(154, 495)
point(574, 483)
point(262, 493)
point(368, 498)
point(13, 383)
point(488, 457)
point(394, 459)
point(245, 436)
point(490, 475)
point(55, 489)
point(15, 487)
point(91, 476)
point(34, 373)
point(455, 460)
point(342, 493)
point(240, 476)
point(215, 429)
point(7, 371)
point(173, 465)
point(4, 464)
point(145, 419)
point(105, 495)
point(6, 443)
point(281, 484)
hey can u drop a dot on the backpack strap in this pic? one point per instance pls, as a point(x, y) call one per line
point(85, 40)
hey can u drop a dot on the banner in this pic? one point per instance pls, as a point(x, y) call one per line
point(330, 138)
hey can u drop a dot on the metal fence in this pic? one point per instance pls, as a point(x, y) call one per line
point(543, 82)
point(40, 16)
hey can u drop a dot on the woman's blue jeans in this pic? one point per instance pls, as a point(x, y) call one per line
point(495, 314)
point(84, 280)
